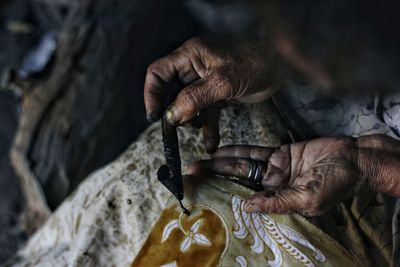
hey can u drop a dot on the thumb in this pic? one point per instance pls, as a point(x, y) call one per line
point(197, 96)
point(284, 201)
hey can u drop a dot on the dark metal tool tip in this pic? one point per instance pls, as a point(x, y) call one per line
point(185, 210)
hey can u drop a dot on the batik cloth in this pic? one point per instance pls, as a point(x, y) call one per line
point(107, 220)
point(218, 232)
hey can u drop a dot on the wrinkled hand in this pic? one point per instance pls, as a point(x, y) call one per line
point(309, 177)
point(212, 73)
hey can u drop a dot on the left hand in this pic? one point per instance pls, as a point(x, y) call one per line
point(306, 177)
point(214, 74)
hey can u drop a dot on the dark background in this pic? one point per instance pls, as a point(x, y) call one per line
point(102, 105)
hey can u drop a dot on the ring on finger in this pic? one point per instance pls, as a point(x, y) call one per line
point(256, 171)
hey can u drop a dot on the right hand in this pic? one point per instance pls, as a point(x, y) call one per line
point(312, 176)
point(211, 74)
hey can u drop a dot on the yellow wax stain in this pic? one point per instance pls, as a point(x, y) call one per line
point(157, 253)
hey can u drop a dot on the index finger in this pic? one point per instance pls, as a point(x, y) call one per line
point(244, 151)
point(159, 74)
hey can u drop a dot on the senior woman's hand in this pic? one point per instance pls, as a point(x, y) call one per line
point(211, 73)
point(310, 177)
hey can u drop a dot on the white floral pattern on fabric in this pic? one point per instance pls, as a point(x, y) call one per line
point(192, 237)
point(168, 229)
point(241, 261)
point(265, 231)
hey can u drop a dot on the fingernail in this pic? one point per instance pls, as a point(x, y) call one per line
point(169, 115)
point(152, 117)
point(250, 207)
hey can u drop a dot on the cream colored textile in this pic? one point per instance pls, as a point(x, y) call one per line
point(107, 219)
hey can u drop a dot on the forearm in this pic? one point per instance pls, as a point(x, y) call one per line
point(379, 163)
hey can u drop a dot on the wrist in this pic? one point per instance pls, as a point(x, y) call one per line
point(378, 159)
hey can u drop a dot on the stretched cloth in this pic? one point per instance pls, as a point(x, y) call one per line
point(107, 220)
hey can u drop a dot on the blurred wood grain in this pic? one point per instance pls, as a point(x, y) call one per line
point(89, 107)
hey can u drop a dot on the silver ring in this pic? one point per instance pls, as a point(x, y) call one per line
point(252, 170)
point(259, 172)
point(256, 171)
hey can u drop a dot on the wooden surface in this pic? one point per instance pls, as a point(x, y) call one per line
point(88, 107)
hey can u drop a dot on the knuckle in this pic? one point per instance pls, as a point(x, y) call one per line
point(153, 68)
point(163, 64)
point(313, 186)
point(191, 100)
point(195, 41)
point(223, 79)
point(223, 85)
point(191, 45)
